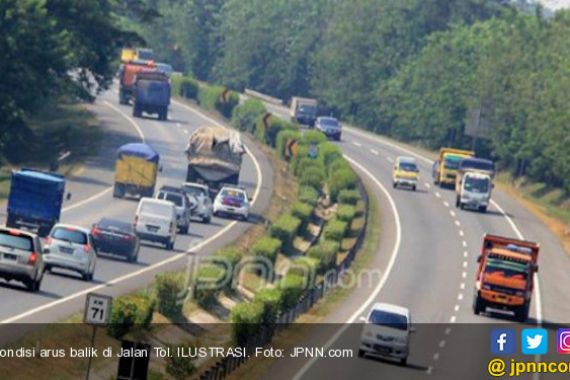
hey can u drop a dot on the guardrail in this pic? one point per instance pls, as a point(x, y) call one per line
point(223, 367)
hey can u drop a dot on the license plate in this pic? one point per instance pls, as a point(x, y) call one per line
point(66, 250)
point(152, 228)
point(381, 349)
point(9, 256)
point(231, 209)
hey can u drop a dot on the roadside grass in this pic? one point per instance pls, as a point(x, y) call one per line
point(57, 127)
point(258, 367)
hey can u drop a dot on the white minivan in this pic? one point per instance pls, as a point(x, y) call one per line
point(155, 221)
point(386, 332)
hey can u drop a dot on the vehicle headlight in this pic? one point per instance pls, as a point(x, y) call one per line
point(400, 340)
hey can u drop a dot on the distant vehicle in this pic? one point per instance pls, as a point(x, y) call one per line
point(505, 276)
point(303, 111)
point(71, 247)
point(405, 172)
point(136, 170)
point(21, 258)
point(116, 237)
point(128, 73)
point(134, 54)
point(214, 157)
point(155, 221)
point(35, 200)
point(474, 165)
point(387, 332)
point(330, 126)
point(151, 94)
point(232, 201)
point(128, 54)
point(182, 203)
point(145, 54)
point(474, 191)
point(199, 196)
point(444, 170)
point(164, 68)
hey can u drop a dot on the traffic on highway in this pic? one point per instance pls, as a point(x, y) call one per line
point(379, 190)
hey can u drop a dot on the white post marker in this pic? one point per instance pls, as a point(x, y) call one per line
point(97, 313)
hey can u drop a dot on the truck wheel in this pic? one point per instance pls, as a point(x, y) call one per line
point(118, 191)
point(34, 285)
point(206, 219)
point(184, 230)
point(457, 202)
point(136, 111)
point(414, 187)
point(478, 305)
point(163, 114)
point(122, 98)
point(483, 209)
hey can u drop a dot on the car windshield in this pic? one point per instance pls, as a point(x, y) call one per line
point(172, 197)
point(236, 194)
point(478, 165)
point(15, 241)
point(477, 185)
point(408, 166)
point(70, 235)
point(115, 225)
point(384, 318)
point(155, 208)
point(194, 191)
point(307, 109)
point(451, 162)
point(505, 268)
point(329, 122)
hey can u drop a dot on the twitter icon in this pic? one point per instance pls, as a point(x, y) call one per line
point(534, 341)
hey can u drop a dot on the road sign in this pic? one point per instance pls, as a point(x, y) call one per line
point(291, 148)
point(97, 309)
point(313, 150)
point(267, 120)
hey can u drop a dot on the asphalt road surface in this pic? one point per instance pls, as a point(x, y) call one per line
point(63, 293)
point(427, 261)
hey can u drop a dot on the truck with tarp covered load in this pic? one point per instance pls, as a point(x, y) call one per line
point(136, 170)
point(214, 157)
point(35, 200)
point(505, 275)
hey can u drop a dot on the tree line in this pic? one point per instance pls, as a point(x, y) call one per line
point(57, 48)
point(415, 70)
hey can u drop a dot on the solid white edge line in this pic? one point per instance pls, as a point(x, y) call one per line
point(538, 300)
point(150, 267)
point(383, 280)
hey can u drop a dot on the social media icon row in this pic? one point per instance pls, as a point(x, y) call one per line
point(533, 341)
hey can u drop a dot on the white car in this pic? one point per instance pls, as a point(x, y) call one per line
point(387, 332)
point(201, 203)
point(155, 221)
point(71, 247)
point(232, 201)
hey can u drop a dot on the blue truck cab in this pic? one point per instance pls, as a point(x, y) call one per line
point(35, 200)
point(151, 94)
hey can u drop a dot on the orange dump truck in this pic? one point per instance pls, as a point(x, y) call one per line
point(505, 276)
point(128, 74)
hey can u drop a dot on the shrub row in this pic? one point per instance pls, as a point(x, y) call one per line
point(346, 213)
point(184, 87)
point(285, 229)
point(349, 197)
point(283, 138)
point(325, 254)
point(303, 212)
point(335, 229)
point(308, 195)
point(340, 177)
point(267, 247)
point(268, 135)
point(211, 98)
point(128, 314)
point(244, 116)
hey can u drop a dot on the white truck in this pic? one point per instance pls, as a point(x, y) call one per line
point(303, 110)
point(474, 191)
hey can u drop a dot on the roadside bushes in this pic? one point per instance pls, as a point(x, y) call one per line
point(292, 287)
point(283, 137)
point(285, 229)
point(303, 212)
point(312, 176)
point(314, 137)
point(335, 230)
point(340, 177)
point(349, 197)
point(328, 153)
point(168, 290)
point(211, 98)
point(346, 213)
point(267, 247)
point(309, 195)
point(123, 318)
point(246, 318)
point(210, 280)
point(244, 116)
point(184, 86)
point(270, 299)
point(275, 125)
point(325, 253)
point(178, 366)
point(307, 268)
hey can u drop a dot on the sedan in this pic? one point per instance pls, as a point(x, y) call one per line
point(117, 238)
point(71, 247)
point(232, 201)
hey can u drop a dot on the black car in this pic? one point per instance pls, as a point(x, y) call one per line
point(116, 237)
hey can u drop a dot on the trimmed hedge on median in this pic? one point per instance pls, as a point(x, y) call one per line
point(245, 115)
point(283, 137)
point(210, 97)
point(335, 230)
point(168, 290)
point(184, 86)
point(210, 280)
point(325, 253)
point(342, 178)
point(267, 247)
point(314, 137)
point(349, 197)
point(276, 125)
point(303, 211)
point(308, 194)
point(307, 268)
point(270, 299)
point(292, 287)
point(285, 229)
point(312, 176)
point(328, 153)
point(346, 213)
point(246, 318)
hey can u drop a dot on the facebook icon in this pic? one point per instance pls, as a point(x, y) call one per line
point(503, 342)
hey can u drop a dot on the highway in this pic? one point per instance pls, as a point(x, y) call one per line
point(427, 262)
point(63, 293)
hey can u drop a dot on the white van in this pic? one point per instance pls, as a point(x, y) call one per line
point(155, 221)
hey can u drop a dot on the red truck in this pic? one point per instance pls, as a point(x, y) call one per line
point(127, 76)
point(505, 276)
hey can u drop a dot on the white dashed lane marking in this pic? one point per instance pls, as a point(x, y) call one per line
point(374, 152)
point(461, 233)
point(357, 143)
point(437, 194)
point(457, 223)
point(446, 203)
point(390, 159)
